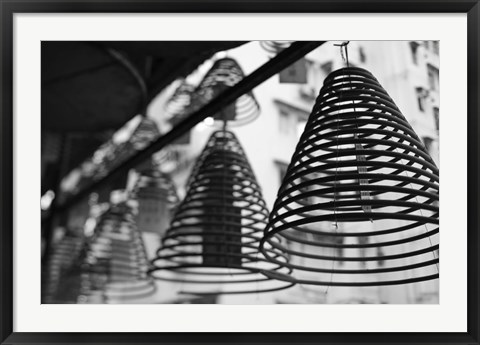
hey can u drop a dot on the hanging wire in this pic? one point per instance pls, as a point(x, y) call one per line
point(342, 46)
point(344, 54)
point(344, 51)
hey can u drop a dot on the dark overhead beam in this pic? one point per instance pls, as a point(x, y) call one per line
point(284, 59)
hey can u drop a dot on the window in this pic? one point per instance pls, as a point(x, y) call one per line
point(315, 77)
point(361, 55)
point(436, 115)
point(380, 254)
point(282, 170)
point(284, 121)
point(327, 67)
point(421, 98)
point(427, 141)
point(414, 50)
point(310, 186)
point(296, 73)
point(433, 77)
point(306, 200)
point(289, 116)
point(339, 250)
point(436, 47)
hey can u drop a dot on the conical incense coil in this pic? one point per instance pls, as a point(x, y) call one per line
point(180, 102)
point(154, 179)
point(116, 264)
point(157, 198)
point(224, 74)
point(179, 106)
point(114, 154)
point(211, 246)
point(60, 276)
point(358, 205)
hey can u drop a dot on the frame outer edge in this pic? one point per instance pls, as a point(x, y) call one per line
point(6, 176)
point(242, 6)
point(473, 80)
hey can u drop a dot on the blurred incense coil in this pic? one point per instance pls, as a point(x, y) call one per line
point(181, 101)
point(60, 276)
point(115, 265)
point(224, 74)
point(157, 198)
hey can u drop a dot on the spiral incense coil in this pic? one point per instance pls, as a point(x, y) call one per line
point(154, 181)
point(180, 105)
point(157, 198)
point(60, 279)
point(224, 74)
point(116, 264)
point(358, 205)
point(180, 102)
point(145, 133)
point(275, 47)
point(211, 246)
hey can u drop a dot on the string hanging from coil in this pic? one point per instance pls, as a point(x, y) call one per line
point(343, 46)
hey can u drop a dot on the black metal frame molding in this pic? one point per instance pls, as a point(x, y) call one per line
point(7, 175)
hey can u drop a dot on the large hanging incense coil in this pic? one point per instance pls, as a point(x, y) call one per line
point(359, 203)
point(115, 268)
point(224, 74)
point(211, 246)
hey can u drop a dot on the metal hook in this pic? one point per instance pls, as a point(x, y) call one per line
point(344, 45)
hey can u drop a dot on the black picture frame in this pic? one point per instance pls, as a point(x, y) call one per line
point(7, 175)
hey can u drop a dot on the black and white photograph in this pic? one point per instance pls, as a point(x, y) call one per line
point(240, 172)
